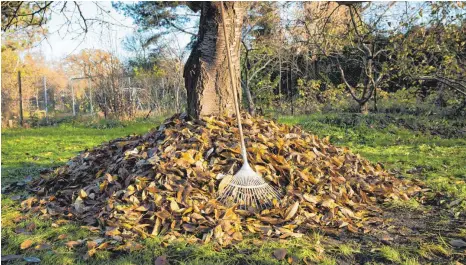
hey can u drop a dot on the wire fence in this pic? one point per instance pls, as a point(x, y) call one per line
point(29, 100)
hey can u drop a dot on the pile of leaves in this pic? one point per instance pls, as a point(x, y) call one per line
point(166, 182)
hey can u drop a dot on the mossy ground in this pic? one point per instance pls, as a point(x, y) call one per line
point(409, 151)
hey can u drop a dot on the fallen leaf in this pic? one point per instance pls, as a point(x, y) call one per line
point(291, 211)
point(26, 244)
point(72, 244)
point(11, 257)
point(32, 259)
point(42, 246)
point(161, 260)
point(458, 243)
point(224, 183)
point(82, 194)
point(279, 253)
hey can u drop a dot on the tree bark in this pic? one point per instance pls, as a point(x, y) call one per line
point(207, 80)
point(363, 108)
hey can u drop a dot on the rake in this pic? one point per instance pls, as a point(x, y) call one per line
point(246, 188)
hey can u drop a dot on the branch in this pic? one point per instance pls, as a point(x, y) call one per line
point(379, 52)
point(82, 16)
point(443, 81)
point(328, 17)
point(350, 88)
point(260, 69)
point(13, 17)
point(178, 28)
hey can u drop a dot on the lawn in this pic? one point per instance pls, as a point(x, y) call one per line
point(408, 151)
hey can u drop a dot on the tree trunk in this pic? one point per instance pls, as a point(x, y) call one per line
point(363, 107)
point(251, 106)
point(206, 73)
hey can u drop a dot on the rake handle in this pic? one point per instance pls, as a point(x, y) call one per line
point(233, 87)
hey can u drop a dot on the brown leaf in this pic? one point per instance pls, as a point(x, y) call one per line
point(279, 253)
point(62, 236)
point(26, 244)
point(238, 236)
point(161, 260)
point(72, 244)
point(189, 227)
point(142, 208)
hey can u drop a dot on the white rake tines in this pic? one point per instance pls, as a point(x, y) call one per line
point(248, 189)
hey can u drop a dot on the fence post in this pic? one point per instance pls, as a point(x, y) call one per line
point(72, 95)
point(20, 100)
point(90, 93)
point(45, 100)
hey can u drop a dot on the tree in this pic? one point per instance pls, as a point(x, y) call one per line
point(259, 49)
point(435, 52)
point(356, 49)
point(205, 73)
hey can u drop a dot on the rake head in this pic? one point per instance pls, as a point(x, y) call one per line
point(248, 189)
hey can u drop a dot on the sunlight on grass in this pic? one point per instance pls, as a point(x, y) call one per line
point(437, 161)
point(390, 254)
point(410, 204)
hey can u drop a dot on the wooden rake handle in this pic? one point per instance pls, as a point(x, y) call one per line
point(233, 86)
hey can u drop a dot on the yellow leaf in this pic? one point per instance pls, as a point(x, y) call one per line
point(291, 211)
point(174, 206)
point(82, 194)
point(224, 183)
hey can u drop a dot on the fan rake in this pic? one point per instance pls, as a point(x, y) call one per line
point(246, 188)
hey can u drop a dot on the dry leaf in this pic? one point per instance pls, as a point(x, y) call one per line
point(82, 194)
point(291, 211)
point(72, 244)
point(42, 246)
point(11, 257)
point(458, 243)
point(280, 253)
point(166, 183)
point(26, 244)
point(162, 260)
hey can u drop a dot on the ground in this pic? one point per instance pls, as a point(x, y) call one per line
point(430, 149)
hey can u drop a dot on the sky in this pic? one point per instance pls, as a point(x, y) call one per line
point(62, 40)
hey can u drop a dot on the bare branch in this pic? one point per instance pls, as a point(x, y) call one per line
point(82, 17)
point(178, 28)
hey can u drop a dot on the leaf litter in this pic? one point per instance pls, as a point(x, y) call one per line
point(165, 183)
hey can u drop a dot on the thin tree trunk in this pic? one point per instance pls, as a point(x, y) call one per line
point(251, 107)
point(280, 82)
point(363, 108)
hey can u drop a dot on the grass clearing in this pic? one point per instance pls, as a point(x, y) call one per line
point(439, 161)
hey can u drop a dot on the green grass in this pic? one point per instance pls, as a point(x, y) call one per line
point(27, 151)
point(438, 160)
